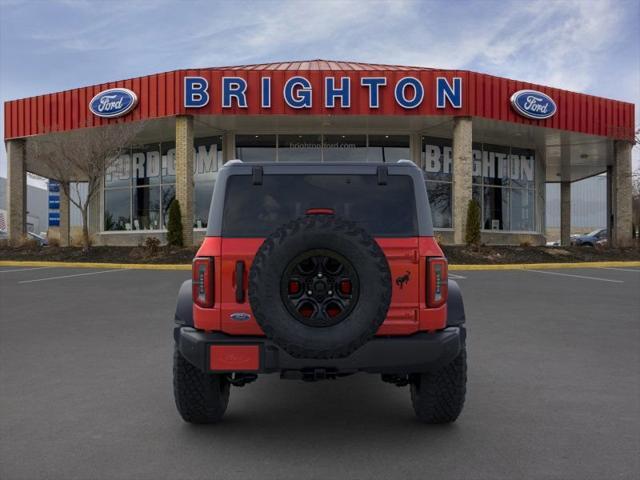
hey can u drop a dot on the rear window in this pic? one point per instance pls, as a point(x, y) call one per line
point(257, 210)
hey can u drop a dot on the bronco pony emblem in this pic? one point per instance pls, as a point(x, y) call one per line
point(400, 281)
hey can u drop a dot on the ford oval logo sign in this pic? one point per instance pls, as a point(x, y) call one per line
point(240, 316)
point(114, 102)
point(533, 104)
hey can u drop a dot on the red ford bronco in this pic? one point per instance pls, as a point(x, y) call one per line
point(318, 271)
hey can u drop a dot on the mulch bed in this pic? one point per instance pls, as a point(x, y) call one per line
point(457, 255)
point(170, 255)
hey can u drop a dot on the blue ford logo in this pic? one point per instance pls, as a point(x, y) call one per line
point(114, 102)
point(533, 104)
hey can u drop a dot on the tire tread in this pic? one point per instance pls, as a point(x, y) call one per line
point(438, 397)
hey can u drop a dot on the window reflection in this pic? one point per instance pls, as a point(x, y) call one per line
point(344, 148)
point(256, 148)
point(299, 148)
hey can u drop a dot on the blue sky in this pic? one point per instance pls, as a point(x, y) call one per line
point(582, 45)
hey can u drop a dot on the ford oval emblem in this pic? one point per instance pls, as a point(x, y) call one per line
point(533, 104)
point(114, 102)
point(240, 316)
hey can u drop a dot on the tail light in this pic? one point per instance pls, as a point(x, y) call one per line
point(437, 281)
point(202, 281)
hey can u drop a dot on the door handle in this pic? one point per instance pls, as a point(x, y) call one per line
point(240, 281)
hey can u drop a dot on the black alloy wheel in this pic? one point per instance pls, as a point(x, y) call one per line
point(320, 288)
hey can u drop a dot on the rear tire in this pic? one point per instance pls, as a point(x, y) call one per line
point(438, 397)
point(200, 397)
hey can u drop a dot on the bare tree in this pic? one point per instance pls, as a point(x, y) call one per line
point(82, 156)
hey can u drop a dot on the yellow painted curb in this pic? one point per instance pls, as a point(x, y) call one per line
point(165, 266)
point(545, 266)
point(129, 266)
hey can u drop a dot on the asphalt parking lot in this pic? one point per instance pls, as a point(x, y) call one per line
point(85, 388)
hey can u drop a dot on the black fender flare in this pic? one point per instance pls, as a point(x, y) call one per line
point(184, 307)
point(455, 305)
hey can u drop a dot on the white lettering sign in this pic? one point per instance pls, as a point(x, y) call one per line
point(488, 164)
point(151, 164)
point(108, 104)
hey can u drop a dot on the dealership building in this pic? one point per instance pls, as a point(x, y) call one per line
point(475, 136)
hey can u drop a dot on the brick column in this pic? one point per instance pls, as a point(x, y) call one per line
point(621, 185)
point(610, 202)
point(16, 191)
point(565, 213)
point(65, 217)
point(184, 174)
point(462, 175)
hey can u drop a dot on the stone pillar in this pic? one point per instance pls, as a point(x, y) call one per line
point(462, 175)
point(621, 184)
point(16, 191)
point(610, 202)
point(184, 174)
point(228, 147)
point(65, 217)
point(565, 213)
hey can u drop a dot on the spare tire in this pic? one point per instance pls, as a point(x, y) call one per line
point(320, 287)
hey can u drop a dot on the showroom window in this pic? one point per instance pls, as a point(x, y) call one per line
point(388, 148)
point(503, 184)
point(344, 148)
point(322, 148)
point(117, 194)
point(438, 175)
point(299, 148)
point(256, 148)
point(491, 169)
point(207, 162)
point(140, 185)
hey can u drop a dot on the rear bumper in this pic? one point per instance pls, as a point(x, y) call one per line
point(420, 352)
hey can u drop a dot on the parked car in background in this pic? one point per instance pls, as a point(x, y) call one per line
point(41, 239)
point(591, 238)
point(603, 243)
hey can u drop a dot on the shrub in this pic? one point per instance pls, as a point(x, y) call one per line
point(54, 242)
point(29, 244)
point(472, 233)
point(525, 244)
point(152, 246)
point(174, 226)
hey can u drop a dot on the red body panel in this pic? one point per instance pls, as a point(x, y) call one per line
point(161, 95)
point(408, 312)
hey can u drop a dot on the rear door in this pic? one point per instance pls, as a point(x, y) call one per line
point(252, 212)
